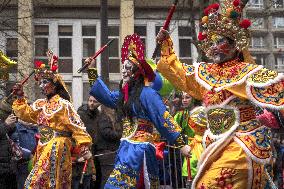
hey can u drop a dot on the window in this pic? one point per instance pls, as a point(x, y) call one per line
point(185, 50)
point(256, 42)
point(86, 91)
point(12, 48)
point(279, 60)
point(279, 42)
point(157, 29)
point(114, 61)
point(89, 42)
point(278, 22)
point(41, 33)
point(257, 22)
point(259, 59)
point(255, 3)
point(142, 32)
point(12, 51)
point(65, 49)
point(278, 3)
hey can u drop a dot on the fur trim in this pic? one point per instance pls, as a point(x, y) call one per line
point(67, 103)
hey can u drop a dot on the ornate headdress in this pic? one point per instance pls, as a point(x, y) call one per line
point(133, 49)
point(226, 22)
point(49, 70)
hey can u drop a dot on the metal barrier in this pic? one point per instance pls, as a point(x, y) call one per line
point(171, 169)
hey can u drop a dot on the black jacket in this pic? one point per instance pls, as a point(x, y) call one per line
point(99, 126)
point(5, 149)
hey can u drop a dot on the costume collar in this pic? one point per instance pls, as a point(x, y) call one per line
point(219, 76)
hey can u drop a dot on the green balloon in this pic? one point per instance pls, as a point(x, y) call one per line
point(167, 87)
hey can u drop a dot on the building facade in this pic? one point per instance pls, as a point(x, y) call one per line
point(267, 42)
point(71, 29)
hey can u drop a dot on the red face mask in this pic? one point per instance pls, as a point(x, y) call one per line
point(221, 50)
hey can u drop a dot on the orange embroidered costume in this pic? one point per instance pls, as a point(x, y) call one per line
point(238, 148)
point(53, 167)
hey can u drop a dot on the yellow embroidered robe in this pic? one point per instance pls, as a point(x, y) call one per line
point(53, 169)
point(237, 146)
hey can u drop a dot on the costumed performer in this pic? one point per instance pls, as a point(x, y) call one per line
point(53, 168)
point(238, 146)
point(140, 110)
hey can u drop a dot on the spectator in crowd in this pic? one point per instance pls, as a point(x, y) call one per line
point(173, 102)
point(183, 118)
point(25, 137)
point(7, 126)
point(105, 137)
point(89, 114)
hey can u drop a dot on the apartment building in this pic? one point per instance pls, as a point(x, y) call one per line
point(267, 42)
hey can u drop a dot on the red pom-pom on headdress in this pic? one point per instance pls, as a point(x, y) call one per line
point(54, 68)
point(211, 8)
point(201, 36)
point(236, 3)
point(215, 6)
point(55, 58)
point(245, 23)
point(38, 63)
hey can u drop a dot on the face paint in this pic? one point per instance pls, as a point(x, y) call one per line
point(126, 71)
point(224, 48)
point(221, 50)
point(46, 87)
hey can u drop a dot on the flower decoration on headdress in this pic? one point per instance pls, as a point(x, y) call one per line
point(226, 22)
point(133, 50)
point(48, 70)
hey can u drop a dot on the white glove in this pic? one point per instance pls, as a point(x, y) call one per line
point(86, 155)
point(185, 150)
